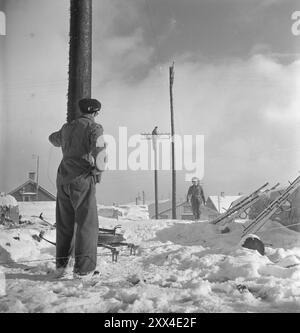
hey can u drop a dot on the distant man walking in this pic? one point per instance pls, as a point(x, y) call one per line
point(77, 176)
point(195, 197)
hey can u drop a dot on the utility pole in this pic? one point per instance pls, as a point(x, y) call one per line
point(80, 64)
point(138, 199)
point(144, 201)
point(154, 143)
point(171, 72)
point(154, 136)
point(37, 175)
point(80, 56)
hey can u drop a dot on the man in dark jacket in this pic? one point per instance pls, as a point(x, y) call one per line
point(196, 197)
point(77, 176)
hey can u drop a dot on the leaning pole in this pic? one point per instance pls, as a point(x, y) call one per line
point(80, 55)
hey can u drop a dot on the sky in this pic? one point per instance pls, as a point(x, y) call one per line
point(237, 77)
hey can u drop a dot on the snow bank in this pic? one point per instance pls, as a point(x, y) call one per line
point(20, 245)
point(125, 212)
point(29, 209)
point(7, 200)
point(2, 282)
point(135, 212)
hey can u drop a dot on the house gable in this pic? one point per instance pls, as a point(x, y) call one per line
point(27, 192)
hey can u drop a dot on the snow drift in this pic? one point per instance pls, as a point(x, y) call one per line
point(181, 266)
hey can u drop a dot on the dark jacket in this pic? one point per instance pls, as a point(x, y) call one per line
point(195, 192)
point(78, 142)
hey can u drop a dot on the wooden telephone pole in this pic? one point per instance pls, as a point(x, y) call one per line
point(80, 64)
point(37, 177)
point(171, 72)
point(80, 55)
point(37, 174)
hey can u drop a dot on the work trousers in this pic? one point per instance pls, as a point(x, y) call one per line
point(76, 204)
point(196, 204)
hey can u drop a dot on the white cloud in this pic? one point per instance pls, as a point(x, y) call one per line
point(122, 55)
point(247, 110)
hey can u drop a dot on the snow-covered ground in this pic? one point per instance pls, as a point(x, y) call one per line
point(181, 266)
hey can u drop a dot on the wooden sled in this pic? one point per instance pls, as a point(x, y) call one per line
point(107, 238)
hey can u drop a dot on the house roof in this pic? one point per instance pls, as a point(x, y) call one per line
point(222, 203)
point(275, 191)
point(29, 181)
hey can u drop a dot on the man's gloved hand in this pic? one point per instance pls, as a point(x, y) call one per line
point(96, 174)
point(98, 177)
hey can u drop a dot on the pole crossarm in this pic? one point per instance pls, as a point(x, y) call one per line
point(150, 136)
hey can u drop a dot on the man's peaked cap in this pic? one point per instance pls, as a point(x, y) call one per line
point(89, 105)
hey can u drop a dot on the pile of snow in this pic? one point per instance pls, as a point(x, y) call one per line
point(17, 245)
point(181, 266)
point(107, 211)
point(7, 200)
point(128, 212)
point(135, 212)
point(35, 208)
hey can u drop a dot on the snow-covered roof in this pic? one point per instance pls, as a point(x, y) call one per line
point(7, 200)
point(29, 181)
point(222, 203)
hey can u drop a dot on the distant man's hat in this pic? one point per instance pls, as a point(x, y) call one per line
point(195, 179)
point(89, 105)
